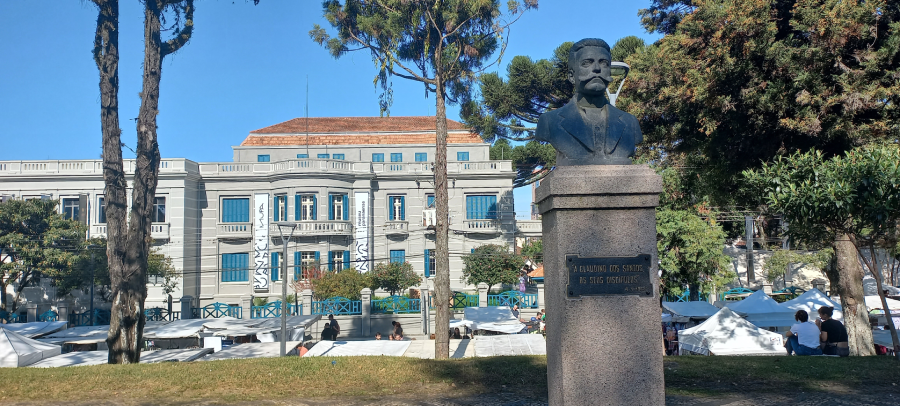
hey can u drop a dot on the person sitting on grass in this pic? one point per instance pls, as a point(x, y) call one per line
point(803, 338)
point(834, 334)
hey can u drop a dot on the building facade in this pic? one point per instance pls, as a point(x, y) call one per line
point(354, 191)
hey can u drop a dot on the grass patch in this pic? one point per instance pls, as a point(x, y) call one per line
point(375, 377)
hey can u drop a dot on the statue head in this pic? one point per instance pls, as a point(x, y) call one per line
point(589, 61)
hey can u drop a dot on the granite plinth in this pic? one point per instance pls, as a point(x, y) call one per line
point(601, 349)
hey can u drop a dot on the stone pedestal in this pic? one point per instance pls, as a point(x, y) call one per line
point(482, 294)
point(601, 349)
point(306, 300)
point(366, 307)
point(62, 308)
point(32, 312)
point(186, 302)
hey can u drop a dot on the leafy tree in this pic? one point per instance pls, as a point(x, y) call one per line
point(35, 241)
point(690, 252)
point(534, 250)
point(778, 77)
point(492, 264)
point(776, 265)
point(394, 276)
point(851, 203)
point(346, 283)
point(440, 44)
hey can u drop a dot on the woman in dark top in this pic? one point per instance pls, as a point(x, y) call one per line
point(834, 334)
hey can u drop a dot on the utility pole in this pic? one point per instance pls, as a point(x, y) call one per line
point(93, 269)
point(751, 273)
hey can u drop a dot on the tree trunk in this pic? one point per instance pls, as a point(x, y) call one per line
point(441, 240)
point(845, 275)
point(875, 268)
point(694, 295)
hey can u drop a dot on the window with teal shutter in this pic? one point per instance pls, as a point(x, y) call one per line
point(338, 156)
point(397, 208)
point(263, 158)
point(280, 208)
point(462, 156)
point(430, 202)
point(302, 155)
point(236, 210)
point(481, 207)
point(429, 263)
point(398, 256)
point(346, 259)
point(346, 199)
point(421, 157)
point(273, 266)
point(235, 267)
point(322, 156)
point(377, 157)
point(298, 266)
point(396, 157)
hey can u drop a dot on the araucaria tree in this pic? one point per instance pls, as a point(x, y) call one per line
point(492, 264)
point(128, 245)
point(441, 44)
point(851, 203)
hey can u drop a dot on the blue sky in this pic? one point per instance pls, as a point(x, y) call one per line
point(245, 68)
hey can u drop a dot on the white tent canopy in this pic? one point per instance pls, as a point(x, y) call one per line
point(763, 311)
point(20, 351)
point(874, 302)
point(495, 318)
point(682, 312)
point(811, 301)
point(726, 333)
point(36, 329)
point(368, 347)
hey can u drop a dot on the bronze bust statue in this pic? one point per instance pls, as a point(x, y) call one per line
point(588, 130)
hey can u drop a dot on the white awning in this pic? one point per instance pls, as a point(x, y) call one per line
point(498, 318)
point(682, 312)
point(726, 333)
point(367, 347)
point(811, 301)
point(763, 311)
point(36, 329)
point(252, 350)
point(81, 358)
point(20, 351)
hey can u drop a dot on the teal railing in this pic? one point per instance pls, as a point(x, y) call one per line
point(396, 305)
point(84, 319)
point(337, 305)
point(216, 310)
point(49, 315)
point(273, 310)
point(11, 317)
point(513, 297)
point(459, 300)
point(160, 314)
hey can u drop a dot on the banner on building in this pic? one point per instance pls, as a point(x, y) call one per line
point(261, 241)
point(361, 246)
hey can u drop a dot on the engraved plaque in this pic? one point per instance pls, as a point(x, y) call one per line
point(609, 276)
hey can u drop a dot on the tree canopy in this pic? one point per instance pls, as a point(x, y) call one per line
point(492, 264)
point(735, 84)
point(394, 276)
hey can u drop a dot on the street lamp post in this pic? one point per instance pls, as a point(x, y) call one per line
point(284, 279)
point(617, 69)
point(93, 270)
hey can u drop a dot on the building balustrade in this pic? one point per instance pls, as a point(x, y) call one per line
point(529, 228)
point(54, 167)
point(318, 227)
point(396, 227)
point(158, 231)
point(234, 230)
point(482, 226)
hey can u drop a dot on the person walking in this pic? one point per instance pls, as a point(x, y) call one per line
point(334, 325)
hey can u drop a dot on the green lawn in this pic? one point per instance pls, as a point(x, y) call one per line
point(290, 377)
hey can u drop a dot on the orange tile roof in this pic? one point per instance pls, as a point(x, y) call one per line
point(537, 272)
point(357, 131)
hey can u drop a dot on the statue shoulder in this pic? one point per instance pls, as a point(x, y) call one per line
point(545, 122)
point(616, 112)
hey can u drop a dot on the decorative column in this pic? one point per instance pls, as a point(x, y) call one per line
point(482, 294)
point(246, 305)
point(32, 312)
point(602, 290)
point(366, 296)
point(186, 302)
point(63, 309)
point(425, 310)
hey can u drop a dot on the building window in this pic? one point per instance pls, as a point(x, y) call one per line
point(159, 210)
point(398, 256)
point(101, 210)
point(280, 208)
point(322, 156)
point(262, 158)
point(481, 207)
point(302, 155)
point(338, 156)
point(396, 157)
point(235, 267)
point(378, 157)
point(397, 208)
point(421, 157)
point(429, 263)
point(236, 210)
point(462, 156)
point(339, 207)
point(429, 201)
point(339, 260)
point(71, 208)
point(305, 207)
point(273, 266)
point(305, 264)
